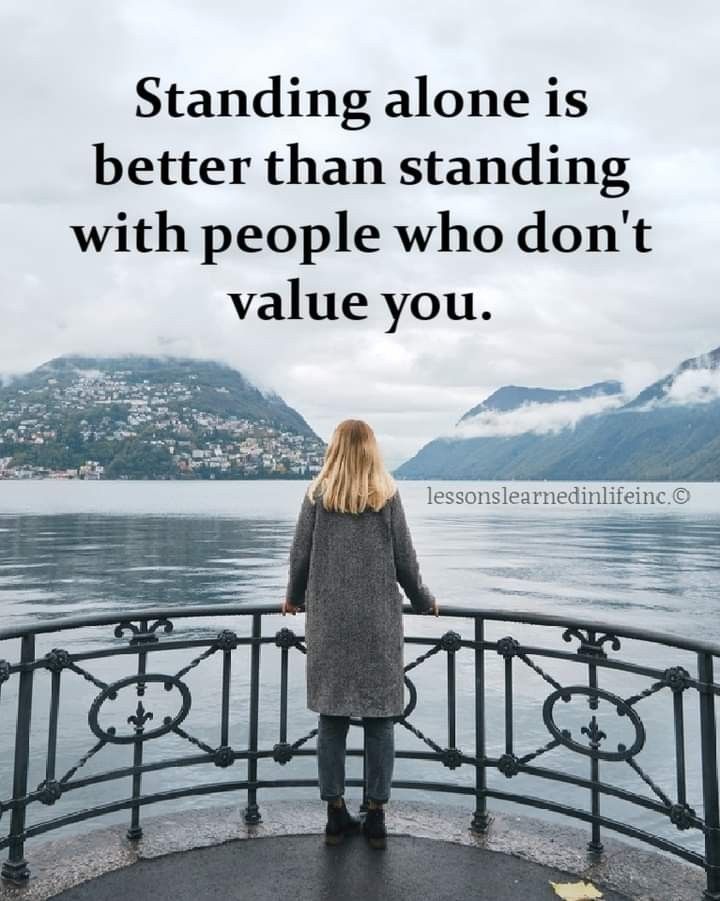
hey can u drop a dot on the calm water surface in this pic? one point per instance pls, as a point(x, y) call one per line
point(79, 548)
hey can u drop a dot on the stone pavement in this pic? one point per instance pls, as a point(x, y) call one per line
point(209, 852)
point(302, 868)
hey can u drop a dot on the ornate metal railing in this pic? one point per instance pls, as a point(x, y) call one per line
point(594, 650)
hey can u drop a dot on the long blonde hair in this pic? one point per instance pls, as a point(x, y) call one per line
point(353, 476)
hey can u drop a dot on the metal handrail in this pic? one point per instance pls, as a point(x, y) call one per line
point(597, 646)
point(495, 614)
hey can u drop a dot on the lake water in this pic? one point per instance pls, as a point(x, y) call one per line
point(81, 547)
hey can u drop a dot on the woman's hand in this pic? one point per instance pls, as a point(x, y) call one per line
point(434, 610)
point(288, 607)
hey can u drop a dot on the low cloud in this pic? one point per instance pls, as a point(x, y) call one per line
point(694, 386)
point(538, 419)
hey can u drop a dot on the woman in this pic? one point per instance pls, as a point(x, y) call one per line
point(351, 548)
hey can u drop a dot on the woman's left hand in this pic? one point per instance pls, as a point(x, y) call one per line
point(288, 607)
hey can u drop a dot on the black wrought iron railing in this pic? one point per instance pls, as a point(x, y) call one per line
point(605, 674)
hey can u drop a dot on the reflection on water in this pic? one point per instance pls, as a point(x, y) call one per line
point(73, 549)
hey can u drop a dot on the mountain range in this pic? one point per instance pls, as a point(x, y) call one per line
point(668, 431)
point(147, 417)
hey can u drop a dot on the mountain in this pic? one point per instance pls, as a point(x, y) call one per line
point(147, 417)
point(511, 397)
point(669, 431)
point(658, 391)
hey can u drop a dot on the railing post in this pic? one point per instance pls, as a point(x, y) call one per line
point(15, 868)
point(480, 820)
point(595, 845)
point(135, 829)
point(708, 743)
point(451, 700)
point(252, 812)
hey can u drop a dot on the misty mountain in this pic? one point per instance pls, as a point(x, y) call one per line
point(669, 431)
point(217, 388)
point(512, 397)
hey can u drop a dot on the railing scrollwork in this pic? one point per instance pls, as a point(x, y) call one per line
point(605, 726)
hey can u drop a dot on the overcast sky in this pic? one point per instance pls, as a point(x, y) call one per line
point(650, 70)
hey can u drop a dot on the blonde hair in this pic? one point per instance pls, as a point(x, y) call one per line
point(353, 476)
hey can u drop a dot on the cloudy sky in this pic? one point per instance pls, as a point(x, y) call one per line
point(650, 69)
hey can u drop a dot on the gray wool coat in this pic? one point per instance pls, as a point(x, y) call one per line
point(344, 570)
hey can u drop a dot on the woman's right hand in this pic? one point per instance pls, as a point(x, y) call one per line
point(434, 610)
point(290, 608)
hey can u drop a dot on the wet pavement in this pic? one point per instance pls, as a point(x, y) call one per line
point(301, 867)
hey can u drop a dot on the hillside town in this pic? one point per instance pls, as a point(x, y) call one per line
point(112, 424)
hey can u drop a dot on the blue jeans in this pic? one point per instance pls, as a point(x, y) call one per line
point(380, 749)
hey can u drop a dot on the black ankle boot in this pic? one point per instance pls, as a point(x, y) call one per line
point(374, 827)
point(339, 823)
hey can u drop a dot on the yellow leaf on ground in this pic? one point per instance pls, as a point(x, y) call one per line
point(576, 891)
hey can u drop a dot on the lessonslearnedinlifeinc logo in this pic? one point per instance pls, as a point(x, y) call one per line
point(575, 495)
